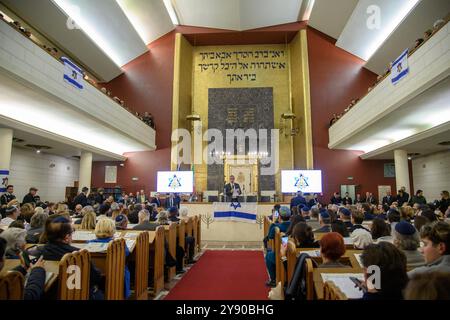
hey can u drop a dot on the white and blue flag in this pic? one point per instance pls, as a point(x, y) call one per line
point(235, 211)
point(400, 68)
point(73, 74)
point(4, 180)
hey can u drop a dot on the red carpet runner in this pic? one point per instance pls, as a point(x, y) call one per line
point(224, 275)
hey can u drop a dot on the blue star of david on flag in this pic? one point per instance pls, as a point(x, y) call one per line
point(174, 182)
point(301, 182)
point(235, 205)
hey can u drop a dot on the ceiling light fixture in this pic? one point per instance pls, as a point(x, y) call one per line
point(171, 10)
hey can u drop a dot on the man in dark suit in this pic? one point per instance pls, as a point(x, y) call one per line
point(388, 199)
point(370, 198)
point(100, 197)
point(324, 221)
point(313, 201)
point(232, 190)
point(347, 200)
point(298, 200)
point(336, 199)
point(173, 200)
point(31, 196)
point(156, 200)
point(81, 198)
point(7, 197)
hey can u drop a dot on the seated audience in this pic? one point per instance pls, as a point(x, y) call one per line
point(393, 218)
point(162, 218)
point(58, 239)
point(406, 238)
point(15, 242)
point(332, 248)
point(420, 221)
point(380, 229)
point(293, 222)
point(26, 212)
point(104, 233)
point(444, 203)
point(121, 222)
point(37, 227)
point(436, 248)
point(418, 198)
point(357, 220)
point(361, 238)
point(393, 277)
point(345, 216)
point(284, 216)
point(144, 222)
point(428, 286)
point(34, 274)
point(89, 218)
point(368, 212)
point(324, 221)
point(173, 214)
point(339, 227)
point(12, 213)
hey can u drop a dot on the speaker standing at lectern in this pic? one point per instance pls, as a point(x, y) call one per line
point(232, 190)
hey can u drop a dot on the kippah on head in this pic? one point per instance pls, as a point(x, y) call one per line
point(345, 212)
point(60, 220)
point(324, 214)
point(120, 218)
point(11, 209)
point(405, 228)
point(306, 208)
point(285, 211)
point(173, 209)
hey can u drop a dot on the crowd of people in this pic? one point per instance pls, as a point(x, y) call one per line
point(147, 118)
point(398, 234)
point(52, 225)
point(419, 42)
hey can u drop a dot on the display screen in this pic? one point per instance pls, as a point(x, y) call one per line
point(308, 181)
point(175, 182)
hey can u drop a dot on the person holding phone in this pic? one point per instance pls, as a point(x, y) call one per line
point(33, 271)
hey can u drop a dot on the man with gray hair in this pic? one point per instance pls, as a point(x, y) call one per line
point(37, 226)
point(144, 222)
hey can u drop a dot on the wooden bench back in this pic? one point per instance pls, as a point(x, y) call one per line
point(190, 227)
point(11, 286)
point(142, 252)
point(158, 267)
point(115, 270)
point(74, 273)
point(198, 238)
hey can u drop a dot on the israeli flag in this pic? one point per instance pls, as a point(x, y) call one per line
point(235, 211)
point(3, 180)
point(73, 74)
point(400, 68)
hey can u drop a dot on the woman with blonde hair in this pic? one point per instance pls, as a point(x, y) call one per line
point(406, 213)
point(27, 211)
point(162, 218)
point(89, 220)
point(104, 232)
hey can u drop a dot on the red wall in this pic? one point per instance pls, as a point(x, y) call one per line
point(337, 77)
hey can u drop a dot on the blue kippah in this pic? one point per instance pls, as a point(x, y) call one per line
point(324, 214)
point(120, 218)
point(285, 211)
point(345, 212)
point(306, 208)
point(173, 209)
point(61, 220)
point(405, 228)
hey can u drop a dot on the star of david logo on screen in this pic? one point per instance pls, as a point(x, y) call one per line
point(235, 205)
point(174, 182)
point(301, 182)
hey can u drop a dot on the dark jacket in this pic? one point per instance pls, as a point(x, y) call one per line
point(348, 225)
point(229, 189)
point(388, 200)
point(382, 296)
point(174, 219)
point(336, 200)
point(146, 225)
point(298, 200)
point(34, 288)
point(29, 198)
point(55, 251)
point(324, 229)
point(34, 234)
point(174, 202)
point(80, 199)
point(283, 226)
point(347, 200)
point(156, 201)
point(133, 217)
point(99, 198)
point(444, 204)
point(368, 216)
point(418, 199)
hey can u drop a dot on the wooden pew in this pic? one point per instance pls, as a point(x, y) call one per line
point(198, 236)
point(190, 227)
point(11, 286)
point(115, 270)
point(181, 230)
point(278, 263)
point(171, 236)
point(81, 259)
point(142, 253)
point(157, 255)
point(318, 283)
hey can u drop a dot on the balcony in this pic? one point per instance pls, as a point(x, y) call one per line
point(34, 95)
point(418, 106)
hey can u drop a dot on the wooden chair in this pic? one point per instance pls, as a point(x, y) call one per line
point(276, 249)
point(291, 255)
point(69, 288)
point(309, 279)
point(172, 242)
point(198, 238)
point(158, 261)
point(11, 286)
point(115, 270)
point(142, 252)
point(195, 234)
point(332, 292)
point(190, 227)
